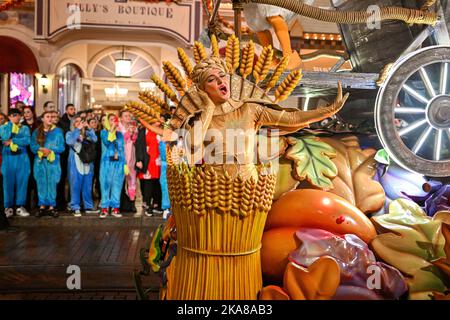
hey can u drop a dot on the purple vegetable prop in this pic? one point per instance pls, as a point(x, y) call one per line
point(398, 181)
point(436, 199)
point(362, 277)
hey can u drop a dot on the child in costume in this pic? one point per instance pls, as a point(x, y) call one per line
point(47, 142)
point(15, 164)
point(113, 167)
point(80, 174)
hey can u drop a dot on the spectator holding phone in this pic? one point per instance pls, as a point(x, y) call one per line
point(112, 166)
point(64, 124)
point(81, 139)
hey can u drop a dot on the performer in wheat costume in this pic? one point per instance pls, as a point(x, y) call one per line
point(220, 206)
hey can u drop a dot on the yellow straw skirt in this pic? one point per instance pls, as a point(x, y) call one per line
point(219, 224)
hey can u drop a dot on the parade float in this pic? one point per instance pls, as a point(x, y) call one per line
point(331, 213)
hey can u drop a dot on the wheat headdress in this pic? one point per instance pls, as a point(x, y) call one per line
point(247, 80)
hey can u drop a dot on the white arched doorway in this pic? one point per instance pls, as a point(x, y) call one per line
point(112, 92)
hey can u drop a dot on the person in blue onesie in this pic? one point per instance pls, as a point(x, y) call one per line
point(80, 174)
point(47, 142)
point(165, 201)
point(15, 164)
point(112, 166)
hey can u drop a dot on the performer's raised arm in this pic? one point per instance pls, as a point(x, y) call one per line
point(299, 119)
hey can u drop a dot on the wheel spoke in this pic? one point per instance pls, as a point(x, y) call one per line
point(409, 110)
point(444, 77)
point(423, 137)
point(415, 94)
point(412, 127)
point(438, 145)
point(306, 104)
point(427, 82)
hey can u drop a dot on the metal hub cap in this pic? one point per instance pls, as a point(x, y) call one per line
point(438, 112)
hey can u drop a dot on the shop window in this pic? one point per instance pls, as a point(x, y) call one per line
point(21, 88)
point(69, 86)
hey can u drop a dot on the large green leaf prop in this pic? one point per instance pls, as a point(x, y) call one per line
point(312, 161)
point(410, 241)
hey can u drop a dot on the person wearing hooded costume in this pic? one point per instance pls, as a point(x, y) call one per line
point(47, 142)
point(165, 201)
point(128, 127)
point(15, 163)
point(80, 174)
point(113, 166)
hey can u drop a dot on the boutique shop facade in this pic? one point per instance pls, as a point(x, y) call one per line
point(93, 53)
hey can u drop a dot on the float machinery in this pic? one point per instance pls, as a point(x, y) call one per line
point(400, 74)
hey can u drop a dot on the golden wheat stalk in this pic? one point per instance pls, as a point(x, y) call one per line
point(165, 89)
point(198, 192)
point(225, 192)
point(277, 73)
point(288, 85)
point(175, 77)
point(211, 189)
point(141, 114)
point(248, 55)
point(199, 52)
point(263, 64)
point(152, 100)
point(143, 96)
point(185, 62)
point(144, 108)
point(248, 197)
point(232, 53)
point(214, 46)
point(238, 189)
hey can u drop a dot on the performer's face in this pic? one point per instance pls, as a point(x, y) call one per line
point(217, 86)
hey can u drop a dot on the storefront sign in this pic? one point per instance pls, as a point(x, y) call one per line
point(180, 20)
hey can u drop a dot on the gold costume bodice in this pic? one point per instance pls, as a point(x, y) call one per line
point(230, 136)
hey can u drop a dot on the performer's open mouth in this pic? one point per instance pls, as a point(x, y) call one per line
point(223, 89)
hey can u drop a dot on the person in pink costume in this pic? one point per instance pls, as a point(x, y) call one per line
point(128, 128)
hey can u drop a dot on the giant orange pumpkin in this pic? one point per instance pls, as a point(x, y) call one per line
point(307, 208)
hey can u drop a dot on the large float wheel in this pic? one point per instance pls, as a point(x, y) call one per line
point(412, 112)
